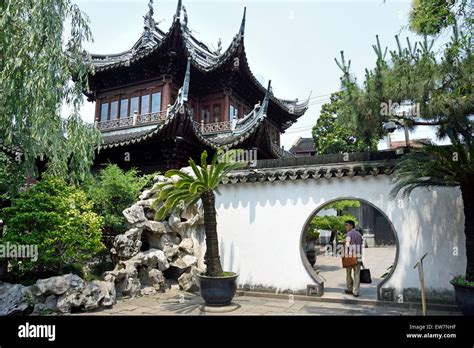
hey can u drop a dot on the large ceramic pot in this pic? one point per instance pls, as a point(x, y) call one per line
point(217, 291)
point(311, 255)
point(464, 298)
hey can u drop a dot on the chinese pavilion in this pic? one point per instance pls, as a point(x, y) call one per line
point(170, 97)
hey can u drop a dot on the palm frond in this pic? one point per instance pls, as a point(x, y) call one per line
point(179, 173)
point(213, 164)
point(161, 213)
point(204, 168)
point(174, 199)
point(433, 166)
point(195, 186)
point(187, 190)
point(195, 169)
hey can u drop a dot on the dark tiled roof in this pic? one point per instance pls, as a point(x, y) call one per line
point(202, 57)
point(338, 170)
point(317, 167)
point(303, 145)
point(123, 137)
point(413, 143)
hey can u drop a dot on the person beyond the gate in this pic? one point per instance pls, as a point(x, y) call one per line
point(353, 246)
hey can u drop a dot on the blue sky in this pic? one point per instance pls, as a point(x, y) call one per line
point(293, 43)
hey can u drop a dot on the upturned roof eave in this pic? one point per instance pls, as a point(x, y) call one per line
point(190, 43)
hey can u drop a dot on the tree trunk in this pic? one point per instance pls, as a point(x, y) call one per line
point(467, 191)
point(211, 258)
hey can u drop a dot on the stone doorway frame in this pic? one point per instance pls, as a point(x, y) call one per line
point(306, 263)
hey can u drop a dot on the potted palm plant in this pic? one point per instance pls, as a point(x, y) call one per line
point(217, 288)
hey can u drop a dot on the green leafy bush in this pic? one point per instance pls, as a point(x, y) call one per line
point(332, 223)
point(58, 219)
point(112, 190)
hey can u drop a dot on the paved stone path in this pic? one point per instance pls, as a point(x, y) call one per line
point(176, 302)
point(377, 259)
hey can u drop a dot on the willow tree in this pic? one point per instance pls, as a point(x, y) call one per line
point(438, 87)
point(39, 60)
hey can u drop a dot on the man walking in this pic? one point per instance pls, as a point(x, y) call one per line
point(354, 248)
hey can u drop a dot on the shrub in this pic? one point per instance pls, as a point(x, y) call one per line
point(112, 191)
point(58, 219)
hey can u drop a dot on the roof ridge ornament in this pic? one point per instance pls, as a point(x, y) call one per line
point(185, 17)
point(219, 47)
point(149, 24)
point(242, 24)
point(177, 15)
point(187, 79)
point(267, 97)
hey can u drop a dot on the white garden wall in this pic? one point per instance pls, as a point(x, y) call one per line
point(260, 226)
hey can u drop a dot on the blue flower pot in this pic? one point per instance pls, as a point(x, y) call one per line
point(217, 291)
point(464, 298)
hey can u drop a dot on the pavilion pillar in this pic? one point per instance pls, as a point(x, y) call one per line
point(166, 91)
point(226, 115)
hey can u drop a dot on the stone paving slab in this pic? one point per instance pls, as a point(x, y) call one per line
point(177, 302)
point(377, 259)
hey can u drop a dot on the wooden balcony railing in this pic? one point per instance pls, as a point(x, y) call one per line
point(213, 128)
point(157, 118)
point(133, 121)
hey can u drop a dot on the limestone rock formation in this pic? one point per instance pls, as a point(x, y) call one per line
point(56, 294)
point(150, 253)
point(13, 299)
point(134, 214)
point(150, 256)
point(58, 285)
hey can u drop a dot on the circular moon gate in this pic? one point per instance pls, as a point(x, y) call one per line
point(304, 257)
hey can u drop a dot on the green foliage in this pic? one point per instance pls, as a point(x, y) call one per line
point(335, 222)
point(342, 206)
point(96, 270)
point(434, 166)
point(47, 311)
point(312, 233)
point(331, 222)
point(11, 179)
point(188, 188)
point(112, 191)
point(35, 81)
point(437, 85)
point(431, 17)
point(58, 219)
point(461, 280)
point(331, 135)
